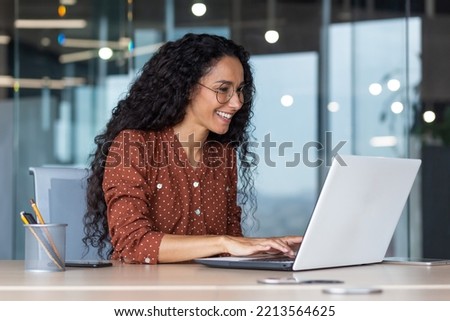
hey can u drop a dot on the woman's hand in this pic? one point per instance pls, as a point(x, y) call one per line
point(243, 246)
point(180, 248)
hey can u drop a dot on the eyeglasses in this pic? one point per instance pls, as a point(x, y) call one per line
point(226, 91)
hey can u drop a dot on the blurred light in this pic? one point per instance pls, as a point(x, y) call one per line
point(123, 43)
point(383, 141)
point(91, 54)
point(6, 81)
point(287, 100)
point(36, 83)
point(429, 116)
point(68, 2)
point(130, 46)
point(105, 53)
point(271, 36)
point(61, 38)
point(4, 39)
point(333, 106)
point(77, 56)
point(45, 41)
point(198, 9)
point(375, 89)
point(144, 50)
point(62, 10)
point(396, 107)
point(393, 84)
point(50, 23)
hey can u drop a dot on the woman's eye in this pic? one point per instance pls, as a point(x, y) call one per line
point(223, 89)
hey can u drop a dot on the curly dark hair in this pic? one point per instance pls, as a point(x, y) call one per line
point(157, 100)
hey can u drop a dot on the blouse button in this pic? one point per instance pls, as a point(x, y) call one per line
point(159, 186)
point(147, 260)
point(195, 184)
point(197, 211)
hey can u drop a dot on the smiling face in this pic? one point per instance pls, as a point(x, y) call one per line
point(205, 113)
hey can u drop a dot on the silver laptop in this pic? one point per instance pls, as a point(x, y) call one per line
point(353, 221)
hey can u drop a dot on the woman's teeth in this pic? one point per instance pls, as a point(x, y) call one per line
point(224, 115)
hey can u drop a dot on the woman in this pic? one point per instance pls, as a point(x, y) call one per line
point(164, 176)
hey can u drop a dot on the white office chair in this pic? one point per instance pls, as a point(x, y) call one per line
point(60, 194)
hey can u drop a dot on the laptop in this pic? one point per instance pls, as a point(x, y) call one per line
point(353, 221)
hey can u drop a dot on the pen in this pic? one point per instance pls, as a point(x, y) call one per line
point(23, 218)
point(27, 218)
point(37, 212)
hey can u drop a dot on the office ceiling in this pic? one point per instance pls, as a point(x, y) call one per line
point(247, 18)
point(297, 20)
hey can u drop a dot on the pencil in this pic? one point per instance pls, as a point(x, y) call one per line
point(37, 212)
point(40, 220)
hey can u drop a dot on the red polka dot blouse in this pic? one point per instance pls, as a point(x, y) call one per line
point(151, 189)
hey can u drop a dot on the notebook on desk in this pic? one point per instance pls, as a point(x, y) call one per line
point(353, 221)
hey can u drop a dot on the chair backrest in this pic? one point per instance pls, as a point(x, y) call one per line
point(60, 193)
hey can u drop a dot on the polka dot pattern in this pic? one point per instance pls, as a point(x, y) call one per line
point(151, 190)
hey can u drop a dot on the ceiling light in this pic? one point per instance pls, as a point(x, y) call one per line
point(36, 83)
point(96, 44)
point(429, 116)
point(77, 56)
point(333, 106)
point(105, 53)
point(50, 23)
point(397, 107)
point(198, 9)
point(393, 84)
point(272, 36)
point(375, 89)
point(287, 100)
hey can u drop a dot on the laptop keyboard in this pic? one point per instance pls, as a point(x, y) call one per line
point(274, 259)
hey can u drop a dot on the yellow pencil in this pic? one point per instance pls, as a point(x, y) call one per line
point(37, 212)
point(40, 220)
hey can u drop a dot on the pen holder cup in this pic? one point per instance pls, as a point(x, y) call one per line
point(45, 247)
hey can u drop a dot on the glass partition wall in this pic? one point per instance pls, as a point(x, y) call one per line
point(332, 76)
point(373, 72)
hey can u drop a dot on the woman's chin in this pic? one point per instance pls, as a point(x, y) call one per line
point(220, 131)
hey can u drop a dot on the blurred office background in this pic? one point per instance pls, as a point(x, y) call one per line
point(367, 77)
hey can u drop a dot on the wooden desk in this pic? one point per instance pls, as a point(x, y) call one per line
point(171, 282)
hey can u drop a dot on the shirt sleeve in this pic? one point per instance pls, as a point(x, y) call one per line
point(133, 234)
point(234, 210)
